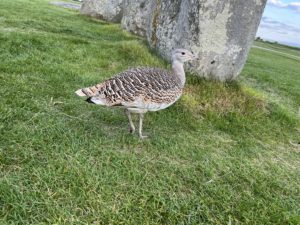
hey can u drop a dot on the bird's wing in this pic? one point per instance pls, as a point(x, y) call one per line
point(132, 86)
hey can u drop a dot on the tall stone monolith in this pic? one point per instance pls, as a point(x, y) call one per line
point(136, 16)
point(221, 32)
point(108, 10)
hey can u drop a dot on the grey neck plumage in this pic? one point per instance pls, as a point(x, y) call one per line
point(178, 70)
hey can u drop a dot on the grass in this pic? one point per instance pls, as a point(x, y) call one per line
point(280, 82)
point(223, 154)
point(279, 47)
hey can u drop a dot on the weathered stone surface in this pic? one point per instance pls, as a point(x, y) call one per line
point(136, 16)
point(109, 10)
point(221, 32)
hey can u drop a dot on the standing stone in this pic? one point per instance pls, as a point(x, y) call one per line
point(221, 32)
point(109, 10)
point(136, 16)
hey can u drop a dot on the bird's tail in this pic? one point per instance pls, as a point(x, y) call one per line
point(91, 93)
point(88, 92)
point(80, 93)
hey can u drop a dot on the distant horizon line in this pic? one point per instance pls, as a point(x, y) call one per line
point(291, 44)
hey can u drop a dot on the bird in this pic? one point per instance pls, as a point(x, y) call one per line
point(142, 89)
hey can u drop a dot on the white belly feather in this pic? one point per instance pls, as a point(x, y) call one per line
point(148, 105)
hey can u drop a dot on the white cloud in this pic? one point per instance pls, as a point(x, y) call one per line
point(278, 26)
point(295, 6)
point(278, 31)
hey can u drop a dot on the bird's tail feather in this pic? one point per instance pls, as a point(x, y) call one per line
point(96, 100)
point(93, 95)
point(88, 92)
point(80, 93)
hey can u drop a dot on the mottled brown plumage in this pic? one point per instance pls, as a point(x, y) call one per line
point(140, 90)
point(151, 86)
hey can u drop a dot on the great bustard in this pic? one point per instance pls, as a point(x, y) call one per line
point(140, 90)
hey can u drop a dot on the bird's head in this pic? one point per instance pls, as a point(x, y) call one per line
point(183, 55)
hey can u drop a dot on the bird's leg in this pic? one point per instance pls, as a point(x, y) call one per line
point(141, 125)
point(131, 125)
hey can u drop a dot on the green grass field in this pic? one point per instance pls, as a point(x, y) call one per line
point(278, 47)
point(223, 154)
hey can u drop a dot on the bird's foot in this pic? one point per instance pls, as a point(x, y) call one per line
point(143, 136)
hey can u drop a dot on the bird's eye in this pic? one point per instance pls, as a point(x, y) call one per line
point(182, 53)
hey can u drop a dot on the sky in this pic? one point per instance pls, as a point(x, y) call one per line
point(281, 22)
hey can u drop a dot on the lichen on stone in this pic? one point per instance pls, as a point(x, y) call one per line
point(154, 23)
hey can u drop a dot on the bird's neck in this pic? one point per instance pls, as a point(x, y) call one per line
point(178, 70)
